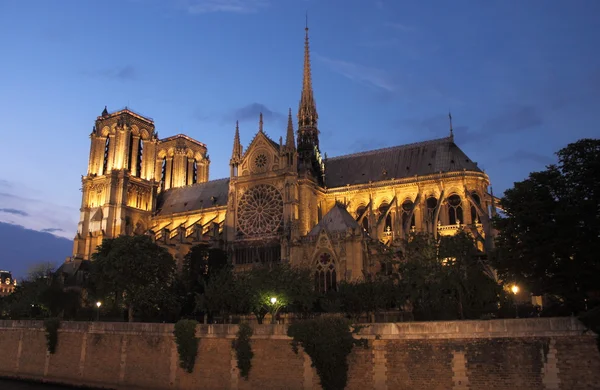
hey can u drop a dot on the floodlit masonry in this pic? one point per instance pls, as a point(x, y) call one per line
point(284, 201)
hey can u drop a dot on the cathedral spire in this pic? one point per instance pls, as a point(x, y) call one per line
point(236, 155)
point(307, 112)
point(289, 138)
point(260, 123)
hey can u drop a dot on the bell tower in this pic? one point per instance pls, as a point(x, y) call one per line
point(119, 189)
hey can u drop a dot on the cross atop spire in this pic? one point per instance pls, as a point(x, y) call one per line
point(260, 123)
point(450, 119)
point(307, 112)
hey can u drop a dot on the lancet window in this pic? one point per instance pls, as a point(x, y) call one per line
point(106, 149)
point(163, 173)
point(362, 211)
point(140, 147)
point(455, 212)
point(431, 205)
point(325, 273)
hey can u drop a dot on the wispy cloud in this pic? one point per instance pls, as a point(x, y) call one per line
point(520, 156)
point(234, 6)
point(118, 73)
point(15, 212)
point(251, 112)
point(36, 214)
point(360, 73)
point(514, 120)
point(52, 230)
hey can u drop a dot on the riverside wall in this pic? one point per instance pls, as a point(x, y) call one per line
point(539, 353)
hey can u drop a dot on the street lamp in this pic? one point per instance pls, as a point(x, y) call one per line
point(515, 291)
point(98, 304)
point(273, 300)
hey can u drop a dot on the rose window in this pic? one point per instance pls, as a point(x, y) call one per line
point(260, 161)
point(260, 210)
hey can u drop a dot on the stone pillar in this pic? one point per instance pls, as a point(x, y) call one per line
point(550, 369)
point(459, 371)
point(379, 365)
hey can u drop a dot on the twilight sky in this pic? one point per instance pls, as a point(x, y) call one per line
point(522, 79)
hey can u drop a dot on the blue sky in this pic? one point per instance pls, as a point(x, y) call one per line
point(521, 78)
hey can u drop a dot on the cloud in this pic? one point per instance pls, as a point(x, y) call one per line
point(514, 120)
point(251, 112)
point(33, 213)
point(526, 155)
point(119, 73)
point(234, 6)
point(52, 230)
point(15, 211)
point(362, 74)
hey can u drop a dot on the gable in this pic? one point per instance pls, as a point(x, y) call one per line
point(261, 156)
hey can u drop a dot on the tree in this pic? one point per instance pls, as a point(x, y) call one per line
point(290, 286)
point(549, 239)
point(134, 272)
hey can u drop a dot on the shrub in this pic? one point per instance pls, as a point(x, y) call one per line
point(328, 341)
point(243, 349)
point(52, 325)
point(187, 343)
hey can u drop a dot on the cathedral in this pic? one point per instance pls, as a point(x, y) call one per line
point(284, 201)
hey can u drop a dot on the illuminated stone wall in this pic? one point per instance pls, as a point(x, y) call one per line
point(542, 353)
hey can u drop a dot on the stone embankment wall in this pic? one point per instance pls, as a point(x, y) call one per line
point(541, 353)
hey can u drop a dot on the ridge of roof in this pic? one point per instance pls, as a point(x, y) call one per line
point(184, 137)
point(392, 148)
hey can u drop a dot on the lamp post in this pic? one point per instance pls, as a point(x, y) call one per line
point(515, 291)
point(273, 301)
point(98, 304)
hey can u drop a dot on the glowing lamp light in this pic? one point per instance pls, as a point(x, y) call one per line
point(98, 304)
point(515, 289)
point(273, 300)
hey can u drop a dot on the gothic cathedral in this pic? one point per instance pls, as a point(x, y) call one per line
point(284, 201)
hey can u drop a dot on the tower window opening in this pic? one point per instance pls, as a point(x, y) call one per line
point(140, 147)
point(163, 173)
point(455, 215)
point(106, 149)
point(195, 180)
point(130, 155)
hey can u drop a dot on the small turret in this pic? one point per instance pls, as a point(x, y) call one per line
point(290, 142)
point(236, 154)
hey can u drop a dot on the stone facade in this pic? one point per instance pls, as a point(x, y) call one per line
point(283, 201)
point(537, 354)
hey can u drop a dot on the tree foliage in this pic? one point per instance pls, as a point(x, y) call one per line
point(51, 325)
point(187, 343)
point(328, 341)
point(243, 349)
point(134, 272)
point(549, 238)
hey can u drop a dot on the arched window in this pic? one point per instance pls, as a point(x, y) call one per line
point(106, 148)
point(474, 216)
point(163, 173)
point(383, 208)
point(130, 154)
point(140, 147)
point(431, 205)
point(195, 180)
point(325, 275)
point(407, 206)
point(455, 215)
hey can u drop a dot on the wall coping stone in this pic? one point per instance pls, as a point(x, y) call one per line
point(468, 329)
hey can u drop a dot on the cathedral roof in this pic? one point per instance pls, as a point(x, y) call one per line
point(195, 197)
point(423, 158)
point(336, 220)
